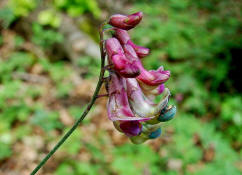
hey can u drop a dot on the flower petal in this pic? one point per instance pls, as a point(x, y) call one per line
point(118, 106)
point(140, 104)
point(125, 67)
point(125, 22)
point(152, 78)
point(150, 92)
point(131, 128)
point(124, 38)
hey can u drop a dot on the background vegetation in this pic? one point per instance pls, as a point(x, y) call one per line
point(44, 88)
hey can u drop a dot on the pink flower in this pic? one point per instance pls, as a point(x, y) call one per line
point(132, 88)
point(124, 38)
point(125, 22)
point(124, 66)
point(150, 78)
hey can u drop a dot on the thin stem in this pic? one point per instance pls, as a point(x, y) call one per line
point(88, 108)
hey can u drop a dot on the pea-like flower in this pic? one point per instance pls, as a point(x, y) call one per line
point(125, 22)
point(124, 66)
point(140, 104)
point(124, 38)
point(152, 78)
point(132, 88)
point(118, 106)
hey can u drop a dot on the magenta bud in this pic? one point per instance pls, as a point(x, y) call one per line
point(113, 47)
point(160, 89)
point(125, 22)
point(124, 38)
point(125, 67)
point(140, 51)
point(134, 19)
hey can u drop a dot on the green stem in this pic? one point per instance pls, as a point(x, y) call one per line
point(84, 114)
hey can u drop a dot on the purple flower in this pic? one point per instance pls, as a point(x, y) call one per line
point(125, 67)
point(130, 128)
point(125, 22)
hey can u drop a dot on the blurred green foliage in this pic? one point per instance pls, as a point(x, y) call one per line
point(193, 39)
point(45, 37)
point(22, 7)
point(77, 7)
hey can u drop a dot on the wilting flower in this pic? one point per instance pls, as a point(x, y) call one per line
point(140, 104)
point(118, 106)
point(132, 88)
point(125, 22)
point(149, 131)
point(166, 114)
point(151, 93)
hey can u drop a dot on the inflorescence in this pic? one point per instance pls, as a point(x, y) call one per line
point(131, 88)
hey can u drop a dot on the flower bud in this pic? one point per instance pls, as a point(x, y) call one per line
point(125, 67)
point(124, 38)
point(140, 51)
point(125, 22)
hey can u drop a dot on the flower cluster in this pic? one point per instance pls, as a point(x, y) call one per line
point(132, 88)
